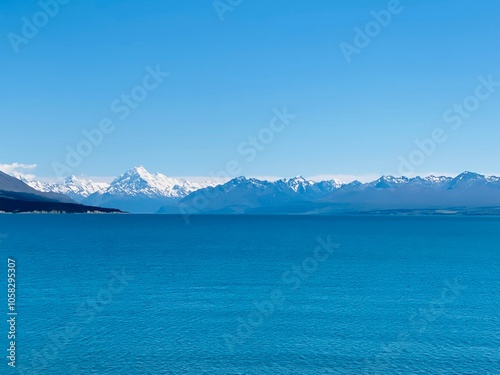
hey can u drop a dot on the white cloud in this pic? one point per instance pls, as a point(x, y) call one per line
point(18, 170)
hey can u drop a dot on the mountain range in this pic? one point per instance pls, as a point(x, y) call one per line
point(467, 193)
point(136, 191)
point(16, 196)
point(139, 191)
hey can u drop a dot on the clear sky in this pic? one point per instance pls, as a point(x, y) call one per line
point(232, 68)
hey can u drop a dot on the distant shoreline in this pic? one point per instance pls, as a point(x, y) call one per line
point(418, 213)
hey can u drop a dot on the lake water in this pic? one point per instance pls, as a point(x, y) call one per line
point(146, 294)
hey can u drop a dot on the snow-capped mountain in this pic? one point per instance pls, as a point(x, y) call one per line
point(308, 188)
point(388, 193)
point(297, 184)
point(242, 194)
point(137, 190)
point(16, 196)
point(74, 187)
point(236, 196)
point(469, 179)
point(138, 181)
point(10, 185)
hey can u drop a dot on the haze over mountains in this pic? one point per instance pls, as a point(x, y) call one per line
point(139, 191)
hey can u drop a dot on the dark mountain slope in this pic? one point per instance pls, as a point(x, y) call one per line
point(12, 184)
point(16, 196)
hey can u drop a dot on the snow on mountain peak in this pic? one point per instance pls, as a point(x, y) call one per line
point(385, 182)
point(139, 185)
point(298, 179)
point(297, 183)
point(492, 179)
point(71, 179)
point(138, 181)
point(332, 184)
point(469, 176)
point(74, 187)
point(467, 179)
point(140, 170)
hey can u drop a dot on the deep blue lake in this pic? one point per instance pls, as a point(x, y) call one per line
point(146, 294)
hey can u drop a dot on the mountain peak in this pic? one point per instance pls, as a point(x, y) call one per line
point(140, 170)
point(389, 178)
point(297, 183)
point(239, 179)
point(467, 179)
point(299, 180)
point(469, 175)
point(385, 182)
point(72, 179)
point(140, 188)
point(136, 174)
point(139, 182)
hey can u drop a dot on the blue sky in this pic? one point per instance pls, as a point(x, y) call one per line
point(227, 78)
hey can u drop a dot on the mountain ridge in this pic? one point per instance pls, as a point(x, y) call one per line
point(17, 197)
point(388, 193)
point(139, 191)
